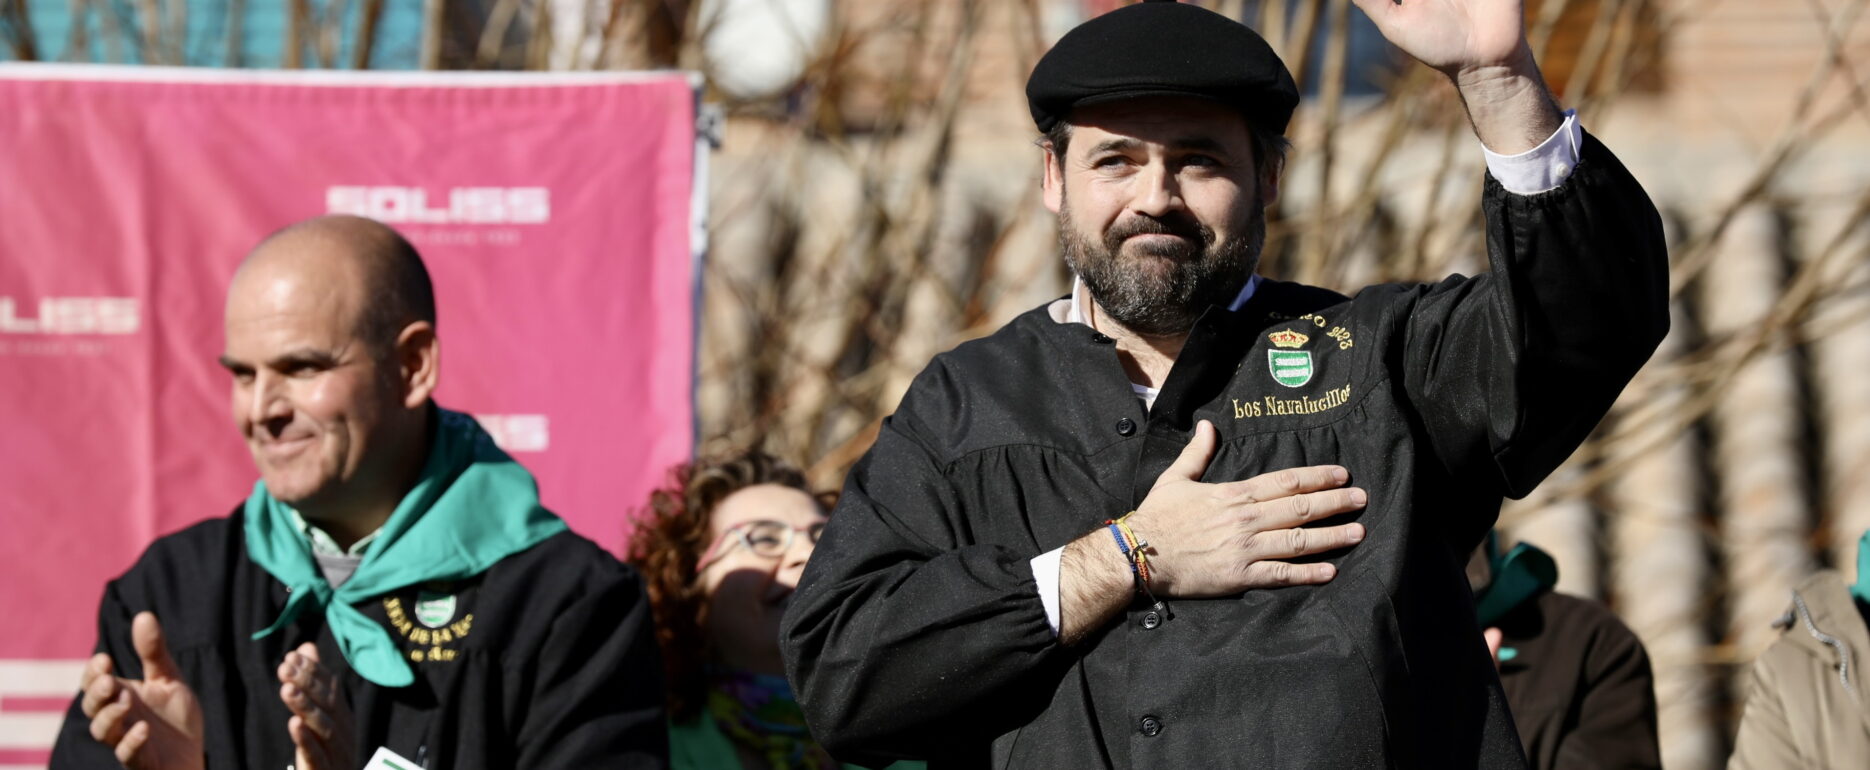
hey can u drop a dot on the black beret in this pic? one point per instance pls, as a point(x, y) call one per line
point(1162, 49)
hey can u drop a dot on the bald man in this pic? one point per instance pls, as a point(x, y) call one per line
point(391, 590)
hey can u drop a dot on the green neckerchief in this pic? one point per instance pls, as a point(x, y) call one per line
point(1518, 576)
point(1861, 588)
point(472, 507)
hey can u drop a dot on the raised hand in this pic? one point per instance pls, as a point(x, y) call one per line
point(1452, 35)
point(1481, 46)
point(154, 722)
point(321, 727)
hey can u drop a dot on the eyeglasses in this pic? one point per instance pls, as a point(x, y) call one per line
point(766, 538)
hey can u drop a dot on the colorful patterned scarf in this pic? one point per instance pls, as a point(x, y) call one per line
point(757, 711)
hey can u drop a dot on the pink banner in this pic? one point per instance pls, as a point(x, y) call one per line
point(555, 213)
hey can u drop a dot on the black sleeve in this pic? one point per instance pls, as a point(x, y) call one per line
point(1512, 369)
point(75, 748)
point(1615, 720)
point(595, 696)
point(905, 637)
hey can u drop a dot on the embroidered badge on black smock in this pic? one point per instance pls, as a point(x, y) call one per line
point(1290, 366)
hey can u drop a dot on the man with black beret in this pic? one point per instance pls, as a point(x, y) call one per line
point(1189, 516)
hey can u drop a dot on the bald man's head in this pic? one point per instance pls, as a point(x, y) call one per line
point(390, 280)
point(331, 342)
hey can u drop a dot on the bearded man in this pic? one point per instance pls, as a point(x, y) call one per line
point(1122, 531)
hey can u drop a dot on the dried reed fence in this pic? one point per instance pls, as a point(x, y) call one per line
point(884, 207)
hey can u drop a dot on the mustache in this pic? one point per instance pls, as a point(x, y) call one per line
point(1179, 224)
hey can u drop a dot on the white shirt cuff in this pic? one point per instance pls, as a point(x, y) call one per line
point(1541, 168)
point(1045, 569)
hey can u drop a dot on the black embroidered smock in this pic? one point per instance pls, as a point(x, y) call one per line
point(918, 631)
point(547, 659)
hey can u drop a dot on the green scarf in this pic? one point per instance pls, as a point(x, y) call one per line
point(1519, 575)
point(472, 507)
point(1861, 588)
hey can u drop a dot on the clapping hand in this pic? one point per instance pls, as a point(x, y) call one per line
point(321, 727)
point(154, 722)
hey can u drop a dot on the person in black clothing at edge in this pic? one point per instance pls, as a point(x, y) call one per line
point(1576, 678)
point(969, 602)
point(392, 592)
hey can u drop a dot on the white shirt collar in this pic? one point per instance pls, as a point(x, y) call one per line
point(326, 545)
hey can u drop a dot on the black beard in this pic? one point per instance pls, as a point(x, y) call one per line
point(1163, 302)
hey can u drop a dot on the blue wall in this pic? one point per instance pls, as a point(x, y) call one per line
point(262, 38)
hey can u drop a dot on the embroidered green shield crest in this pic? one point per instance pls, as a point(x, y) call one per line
point(435, 610)
point(1290, 368)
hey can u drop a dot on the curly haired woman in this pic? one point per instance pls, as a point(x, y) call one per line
point(722, 550)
